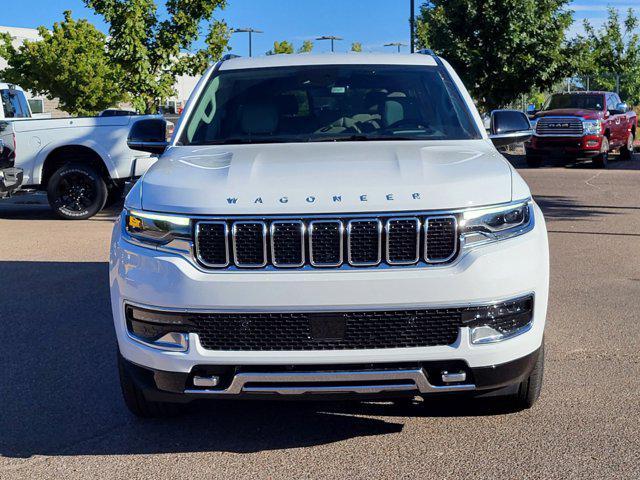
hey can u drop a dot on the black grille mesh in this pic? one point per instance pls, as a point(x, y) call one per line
point(212, 244)
point(287, 243)
point(441, 238)
point(327, 241)
point(364, 241)
point(249, 243)
point(402, 238)
point(293, 331)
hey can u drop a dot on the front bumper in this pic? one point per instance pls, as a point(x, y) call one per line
point(485, 274)
point(10, 181)
point(584, 146)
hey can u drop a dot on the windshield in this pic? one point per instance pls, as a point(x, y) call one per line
point(581, 101)
point(328, 103)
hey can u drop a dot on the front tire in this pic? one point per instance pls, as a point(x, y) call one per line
point(76, 192)
point(626, 152)
point(602, 160)
point(135, 400)
point(529, 389)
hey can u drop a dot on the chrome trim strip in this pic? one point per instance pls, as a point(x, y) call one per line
point(264, 244)
point(272, 232)
point(409, 379)
point(226, 244)
point(356, 215)
point(333, 308)
point(426, 237)
point(388, 242)
point(340, 233)
point(379, 258)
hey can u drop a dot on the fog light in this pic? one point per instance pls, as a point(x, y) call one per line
point(500, 321)
point(592, 143)
point(161, 330)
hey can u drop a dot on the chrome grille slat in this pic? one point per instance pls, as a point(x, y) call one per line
point(287, 243)
point(559, 126)
point(326, 242)
point(403, 241)
point(249, 244)
point(364, 242)
point(441, 238)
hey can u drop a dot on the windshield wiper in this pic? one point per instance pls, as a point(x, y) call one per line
point(360, 138)
point(244, 140)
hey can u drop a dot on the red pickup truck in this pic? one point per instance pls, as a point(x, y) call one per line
point(582, 125)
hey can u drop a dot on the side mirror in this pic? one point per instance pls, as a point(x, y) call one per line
point(509, 127)
point(149, 135)
point(531, 109)
point(622, 108)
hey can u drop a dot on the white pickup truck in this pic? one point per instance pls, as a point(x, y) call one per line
point(82, 163)
point(330, 225)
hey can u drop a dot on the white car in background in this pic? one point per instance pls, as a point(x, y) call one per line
point(83, 163)
point(330, 225)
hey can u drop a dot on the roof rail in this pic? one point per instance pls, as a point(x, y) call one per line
point(229, 56)
point(427, 51)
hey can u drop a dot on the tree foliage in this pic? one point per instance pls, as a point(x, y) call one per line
point(69, 63)
point(356, 47)
point(281, 47)
point(306, 47)
point(152, 50)
point(610, 56)
point(501, 49)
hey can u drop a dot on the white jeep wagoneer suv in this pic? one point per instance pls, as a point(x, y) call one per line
point(329, 225)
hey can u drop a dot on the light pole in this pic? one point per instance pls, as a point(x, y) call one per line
point(250, 31)
point(395, 44)
point(329, 37)
point(412, 26)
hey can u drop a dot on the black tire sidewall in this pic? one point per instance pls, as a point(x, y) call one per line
point(98, 183)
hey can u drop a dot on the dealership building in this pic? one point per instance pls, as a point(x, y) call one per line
point(44, 107)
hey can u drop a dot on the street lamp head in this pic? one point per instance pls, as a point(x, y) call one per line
point(246, 30)
point(329, 37)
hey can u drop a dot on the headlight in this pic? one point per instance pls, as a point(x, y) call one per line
point(496, 223)
point(591, 127)
point(156, 229)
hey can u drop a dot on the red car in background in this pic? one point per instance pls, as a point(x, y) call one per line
point(582, 125)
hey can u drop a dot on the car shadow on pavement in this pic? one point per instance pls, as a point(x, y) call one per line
point(556, 207)
point(60, 392)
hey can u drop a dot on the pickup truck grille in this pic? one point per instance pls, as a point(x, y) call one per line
point(309, 331)
point(557, 126)
point(323, 243)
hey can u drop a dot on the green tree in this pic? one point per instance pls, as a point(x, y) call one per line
point(69, 63)
point(281, 47)
point(307, 47)
point(152, 50)
point(356, 47)
point(610, 56)
point(501, 49)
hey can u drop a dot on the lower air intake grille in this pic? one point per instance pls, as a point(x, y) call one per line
point(308, 331)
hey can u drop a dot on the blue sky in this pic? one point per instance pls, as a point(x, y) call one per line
point(371, 22)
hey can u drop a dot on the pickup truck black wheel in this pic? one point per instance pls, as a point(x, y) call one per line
point(76, 192)
point(135, 400)
point(626, 152)
point(529, 389)
point(534, 161)
point(602, 159)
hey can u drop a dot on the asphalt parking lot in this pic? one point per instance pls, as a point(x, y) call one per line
point(61, 414)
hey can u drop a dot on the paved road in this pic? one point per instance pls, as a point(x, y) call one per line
point(61, 415)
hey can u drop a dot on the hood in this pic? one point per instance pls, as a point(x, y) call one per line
point(305, 178)
point(571, 112)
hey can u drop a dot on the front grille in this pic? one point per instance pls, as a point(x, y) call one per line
point(298, 331)
point(357, 242)
point(554, 126)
